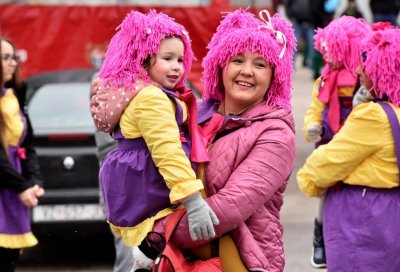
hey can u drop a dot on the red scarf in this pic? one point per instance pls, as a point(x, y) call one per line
point(328, 94)
point(199, 147)
point(211, 128)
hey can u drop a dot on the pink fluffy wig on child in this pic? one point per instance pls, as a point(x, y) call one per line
point(382, 64)
point(342, 40)
point(138, 38)
point(239, 32)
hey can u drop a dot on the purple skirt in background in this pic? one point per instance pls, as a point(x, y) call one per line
point(361, 229)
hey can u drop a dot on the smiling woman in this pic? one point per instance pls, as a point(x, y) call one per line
point(248, 125)
point(246, 80)
point(19, 171)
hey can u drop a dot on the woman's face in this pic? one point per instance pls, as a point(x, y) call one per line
point(364, 79)
point(246, 80)
point(8, 60)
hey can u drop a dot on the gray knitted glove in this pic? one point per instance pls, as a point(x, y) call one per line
point(201, 217)
point(314, 133)
point(362, 96)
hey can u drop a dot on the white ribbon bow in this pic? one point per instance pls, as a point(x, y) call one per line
point(279, 36)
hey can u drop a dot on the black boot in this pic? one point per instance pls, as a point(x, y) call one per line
point(318, 259)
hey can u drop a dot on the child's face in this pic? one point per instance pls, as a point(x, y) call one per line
point(327, 56)
point(364, 79)
point(166, 67)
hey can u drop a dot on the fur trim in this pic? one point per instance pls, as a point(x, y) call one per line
point(139, 37)
point(382, 65)
point(342, 40)
point(239, 32)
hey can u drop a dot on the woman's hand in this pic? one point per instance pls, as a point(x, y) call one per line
point(29, 197)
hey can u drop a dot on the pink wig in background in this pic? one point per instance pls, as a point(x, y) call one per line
point(239, 32)
point(382, 64)
point(342, 39)
point(138, 38)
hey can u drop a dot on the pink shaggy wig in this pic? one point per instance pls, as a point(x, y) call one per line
point(342, 38)
point(382, 65)
point(238, 33)
point(139, 37)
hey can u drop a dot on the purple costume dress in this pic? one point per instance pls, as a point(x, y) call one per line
point(14, 216)
point(362, 224)
point(346, 106)
point(132, 187)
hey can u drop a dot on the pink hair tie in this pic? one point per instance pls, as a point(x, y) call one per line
point(279, 36)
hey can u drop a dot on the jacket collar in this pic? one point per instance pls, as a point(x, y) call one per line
point(208, 107)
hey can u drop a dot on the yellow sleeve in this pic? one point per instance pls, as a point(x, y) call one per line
point(153, 114)
point(14, 124)
point(358, 139)
point(313, 114)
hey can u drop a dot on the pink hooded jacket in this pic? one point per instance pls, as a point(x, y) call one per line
point(250, 166)
point(245, 184)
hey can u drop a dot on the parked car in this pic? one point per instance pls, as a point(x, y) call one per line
point(58, 106)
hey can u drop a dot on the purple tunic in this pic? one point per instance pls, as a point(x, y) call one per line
point(132, 187)
point(14, 216)
point(345, 109)
point(362, 225)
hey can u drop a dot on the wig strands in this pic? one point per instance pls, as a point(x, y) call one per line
point(382, 65)
point(342, 40)
point(240, 32)
point(138, 38)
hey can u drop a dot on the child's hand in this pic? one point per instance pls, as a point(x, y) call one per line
point(201, 217)
point(140, 261)
point(314, 133)
point(362, 96)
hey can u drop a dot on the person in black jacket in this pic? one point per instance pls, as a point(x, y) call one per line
point(300, 14)
point(20, 178)
point(385, 11)
point(352, 10)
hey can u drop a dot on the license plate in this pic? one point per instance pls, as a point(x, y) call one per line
point(70, 212)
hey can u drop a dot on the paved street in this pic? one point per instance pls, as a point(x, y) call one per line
point(299, 211)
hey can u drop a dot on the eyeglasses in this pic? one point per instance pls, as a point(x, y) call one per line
point(9, 57)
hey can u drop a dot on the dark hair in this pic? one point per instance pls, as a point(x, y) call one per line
point(15, 81)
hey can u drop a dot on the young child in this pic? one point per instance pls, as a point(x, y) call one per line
point(332, 95)
point(149, 173)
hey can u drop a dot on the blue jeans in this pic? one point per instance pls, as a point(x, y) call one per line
point(382, 17)
point(305, 31)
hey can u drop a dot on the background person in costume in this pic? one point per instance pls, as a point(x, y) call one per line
point(332, 96)
point(360, 168)
point(149, 173)
point(20, 178)
point(247, 119)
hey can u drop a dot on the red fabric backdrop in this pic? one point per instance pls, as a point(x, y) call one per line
point(64, 37)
